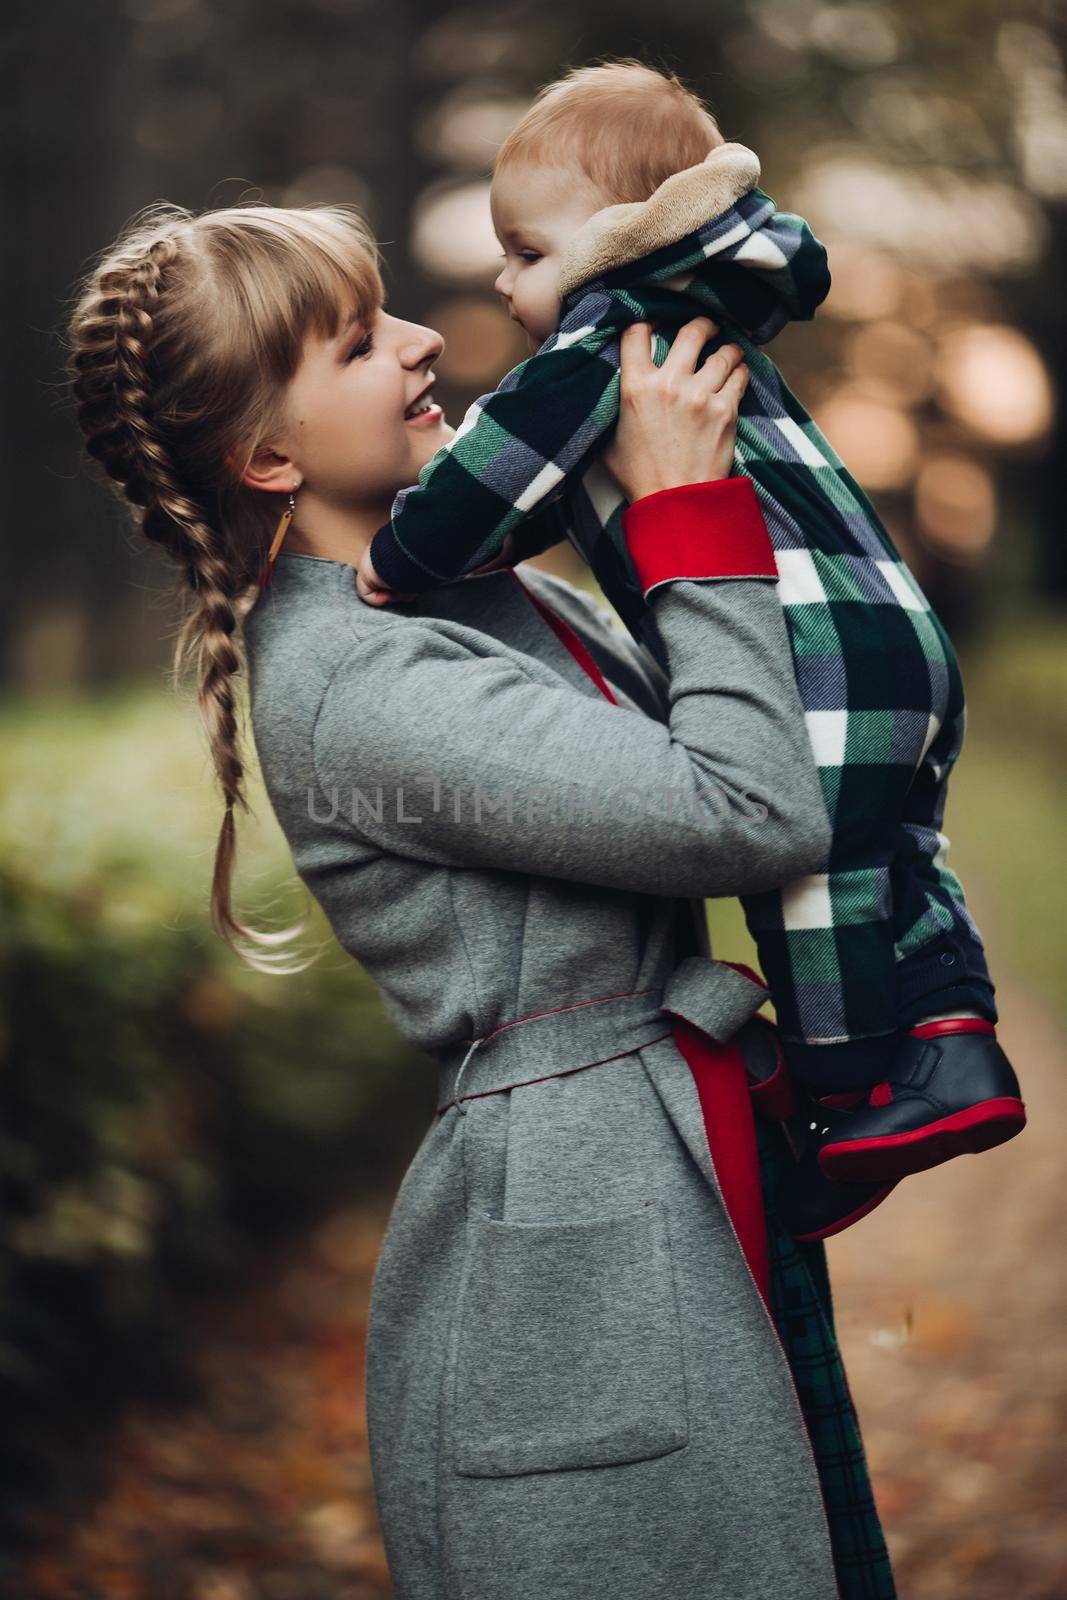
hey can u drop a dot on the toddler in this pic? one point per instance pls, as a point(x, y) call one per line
point(615, 200)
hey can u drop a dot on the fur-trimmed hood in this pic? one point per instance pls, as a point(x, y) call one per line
point(694, 233)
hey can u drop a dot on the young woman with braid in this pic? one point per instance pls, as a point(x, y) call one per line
point(596, 1362)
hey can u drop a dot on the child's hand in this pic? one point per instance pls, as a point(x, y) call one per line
point(370, 587)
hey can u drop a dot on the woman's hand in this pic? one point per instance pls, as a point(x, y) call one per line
point(676, 425)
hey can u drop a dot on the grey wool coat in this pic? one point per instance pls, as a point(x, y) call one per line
point(574, 1389)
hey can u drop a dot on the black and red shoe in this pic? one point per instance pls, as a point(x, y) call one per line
point(809, 1205)
point(951, 1090)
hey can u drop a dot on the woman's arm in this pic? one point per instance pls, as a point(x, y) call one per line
point(431, 751)
point(505, 771)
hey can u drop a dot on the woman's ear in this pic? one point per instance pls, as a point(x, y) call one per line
point(268, 469)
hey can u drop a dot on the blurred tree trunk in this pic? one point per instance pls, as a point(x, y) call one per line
point(65, 105)
point(290, 87)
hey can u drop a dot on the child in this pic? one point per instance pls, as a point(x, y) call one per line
point(611, 210)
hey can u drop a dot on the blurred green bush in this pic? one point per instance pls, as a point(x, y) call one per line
point(162, 1105)
point(1005, 815)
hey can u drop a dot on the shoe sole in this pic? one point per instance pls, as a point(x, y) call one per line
point(842, 1223)
point(898, 1155)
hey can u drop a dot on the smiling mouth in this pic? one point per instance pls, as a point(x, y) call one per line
point(421, 404)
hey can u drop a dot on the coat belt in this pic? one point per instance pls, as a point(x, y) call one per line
point(714, 997)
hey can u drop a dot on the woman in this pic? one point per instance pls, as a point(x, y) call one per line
point(574, 1387)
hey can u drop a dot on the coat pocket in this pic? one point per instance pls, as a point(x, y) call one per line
point(570, 1346)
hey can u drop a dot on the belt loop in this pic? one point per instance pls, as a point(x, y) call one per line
point(455, 1087)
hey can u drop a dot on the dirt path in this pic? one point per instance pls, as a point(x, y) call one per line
point(261, 1490)
point(951, 1304)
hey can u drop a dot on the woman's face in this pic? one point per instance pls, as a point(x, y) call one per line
point(362, 422)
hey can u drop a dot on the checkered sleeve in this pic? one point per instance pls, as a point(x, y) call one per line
point(511, 455)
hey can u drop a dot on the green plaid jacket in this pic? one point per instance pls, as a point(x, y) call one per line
point(883, 936)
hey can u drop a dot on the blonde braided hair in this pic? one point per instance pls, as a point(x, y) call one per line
point(182, 339)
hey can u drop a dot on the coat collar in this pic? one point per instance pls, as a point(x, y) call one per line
point(619, 235)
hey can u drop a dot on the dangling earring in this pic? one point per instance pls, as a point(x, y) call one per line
point(279, 534)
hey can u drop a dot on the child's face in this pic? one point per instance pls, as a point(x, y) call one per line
point(536, 213)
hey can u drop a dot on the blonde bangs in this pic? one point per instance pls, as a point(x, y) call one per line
point(291, 271)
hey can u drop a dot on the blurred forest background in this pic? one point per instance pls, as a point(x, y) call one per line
point(196, 1160)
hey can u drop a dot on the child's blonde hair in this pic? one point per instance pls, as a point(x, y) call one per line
point(625, 125)
point(182, 339)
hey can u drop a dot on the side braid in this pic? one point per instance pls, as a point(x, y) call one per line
point(122, 412)
point(209, 635)
point(113, 387)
